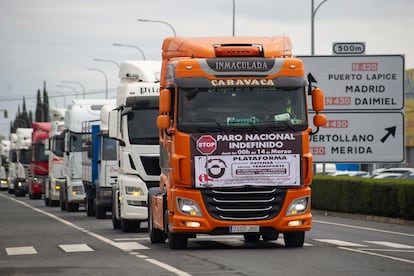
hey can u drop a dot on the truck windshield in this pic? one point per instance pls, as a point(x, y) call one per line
point(58, 145)
point(108, 149)
point(25, 156)
point(39, 153)
point(76, 142)
point(142, 127)
point(260, 108)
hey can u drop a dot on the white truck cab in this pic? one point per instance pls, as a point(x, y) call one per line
point(133, 125)
point(72, 191)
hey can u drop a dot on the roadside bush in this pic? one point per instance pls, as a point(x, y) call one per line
point(378, 197)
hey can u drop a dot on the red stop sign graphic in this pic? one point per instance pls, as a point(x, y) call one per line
point(206, 144)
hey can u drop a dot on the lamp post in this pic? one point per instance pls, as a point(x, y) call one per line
point(107, 60)
point(131, 46)
point(70, 87)
point(234, 16)
point(106, 79)
point(313, 13)
point(78, 83)
point(159, 21)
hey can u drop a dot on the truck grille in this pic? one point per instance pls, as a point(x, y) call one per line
point(151, 165)
point(244, 203)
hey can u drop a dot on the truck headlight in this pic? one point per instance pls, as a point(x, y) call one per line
point(188, 207)
point(298, 206)
point(38, 180)
point(133, 191)
point(77, 190)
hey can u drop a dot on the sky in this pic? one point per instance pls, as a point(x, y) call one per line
point(54, 41)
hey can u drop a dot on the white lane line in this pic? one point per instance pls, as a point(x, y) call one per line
point(363, 251)
point(168, 267)
point(70, 248)
point(21, 250)
point(131, 239)
point(340, 243)
point(128, 246)
point(392, 244)
point(363, 228)
point(97, 236)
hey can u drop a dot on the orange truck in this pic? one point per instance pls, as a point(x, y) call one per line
point(234, 141)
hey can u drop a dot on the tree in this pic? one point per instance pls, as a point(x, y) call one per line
point(39, 108)
point(45, 106)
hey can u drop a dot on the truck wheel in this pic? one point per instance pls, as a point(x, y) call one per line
point(116, 223)
point(100, 212)
point(177, 241)
point(90, 211)
point(47, 201)
point(128, 225)
point(294, 239)
point(156, 235)
point(72, 207)
point(62, 201)
point(54, 203)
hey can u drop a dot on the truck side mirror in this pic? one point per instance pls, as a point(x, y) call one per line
point(113, 124)
point(319, 120)
point(165, 101)
point(317, 100)
point(163, 121)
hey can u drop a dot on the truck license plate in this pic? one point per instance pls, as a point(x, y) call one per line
point(244, 229)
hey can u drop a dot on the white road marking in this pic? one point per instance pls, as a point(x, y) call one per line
point(99, 237)
point(168, 267)
point(363, 228)
point(340, 243)
point(131, 239)
point(392, 244)
point(81, 247)
point(128, 246)
point(21, 250)
point(363, 251)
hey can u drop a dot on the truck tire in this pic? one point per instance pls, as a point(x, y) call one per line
point(116, 223)
point(177, 240)
point(156, 235)
point(100, 212)
point(62, 201)
point(72, 207)
point(129, 225)
point(90, 210)
point(47, 201)
point(294, 239)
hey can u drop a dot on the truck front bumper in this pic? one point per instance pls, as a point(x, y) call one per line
point(75, 192)
point(207, 224)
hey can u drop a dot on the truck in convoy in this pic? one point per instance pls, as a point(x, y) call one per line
point(99, 164)
point(132, 124)
point(71, 190)
point(4, 163)
point(11, 177)
point(55, 146)
point(40, 161)
point(24, 159)
point(234, 141)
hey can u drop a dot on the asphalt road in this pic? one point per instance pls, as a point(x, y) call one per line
point(40, 240)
